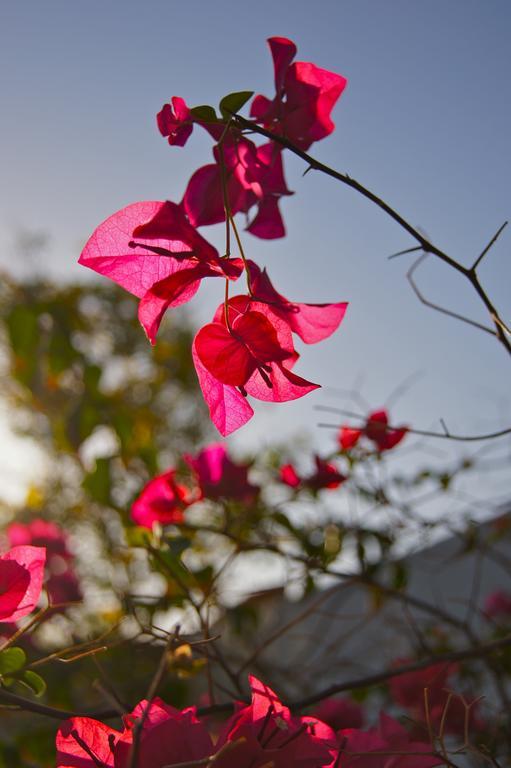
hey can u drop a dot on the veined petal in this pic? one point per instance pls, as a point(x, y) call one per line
point(285, 385)
point(112, 252)
point(98, 739)
point(21, 580)
point(172, 291)
point(171, 224)
point(315, 322)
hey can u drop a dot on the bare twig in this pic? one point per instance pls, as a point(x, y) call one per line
point(437, 307)
point(487, 248)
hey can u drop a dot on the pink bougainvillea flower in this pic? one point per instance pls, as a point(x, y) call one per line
point(268, 735)
point(252, 357)
point(375, 429)
point(61, 581)
point(228, 408)
point(326, 475)
point(85, 743)
point(374, 748)
point(21, 580)
point(340, 712)
point(254, 176)
point(152, 250)
point(311, 322)
point(175, 121)
point(262, 734)
point(40, 533)
point(162, 500)
point(233, 355)
point(168, 736)
point(289, 476)
point(498, 605)
point(305, 97)
point(408, 691)
point(221, 478)
point(349, 437)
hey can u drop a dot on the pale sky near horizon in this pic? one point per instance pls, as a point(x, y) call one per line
point(424, 122)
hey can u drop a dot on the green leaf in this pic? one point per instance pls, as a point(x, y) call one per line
point(205, 113)
point(233, 102)
point(12, 660)
point(34, 681)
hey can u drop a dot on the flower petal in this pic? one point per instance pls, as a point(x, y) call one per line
point(285, 385)
point(108, 250)
point(21, 579)
point(228, 408)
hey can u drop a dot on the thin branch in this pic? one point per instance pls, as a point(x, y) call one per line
point(437, 307)
point(427, 246)
point(316, 165)
point(406, 250)
point(422, 432)
point(388, 674)
point(487, 248)
point(57, 714)
point(286, 627)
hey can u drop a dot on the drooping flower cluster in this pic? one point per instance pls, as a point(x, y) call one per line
point(154, 250)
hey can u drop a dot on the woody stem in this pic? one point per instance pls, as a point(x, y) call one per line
point(469, 273)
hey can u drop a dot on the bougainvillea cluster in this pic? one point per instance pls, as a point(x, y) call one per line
point(154, 250)
point(262, 734)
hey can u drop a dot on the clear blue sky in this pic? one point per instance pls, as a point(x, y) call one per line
point(425, 122)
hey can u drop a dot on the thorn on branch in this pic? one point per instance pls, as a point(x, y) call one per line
point(444, 427)
point(406, 250)
point(487, 248)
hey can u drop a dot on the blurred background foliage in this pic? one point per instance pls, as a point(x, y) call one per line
point(107, 412)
